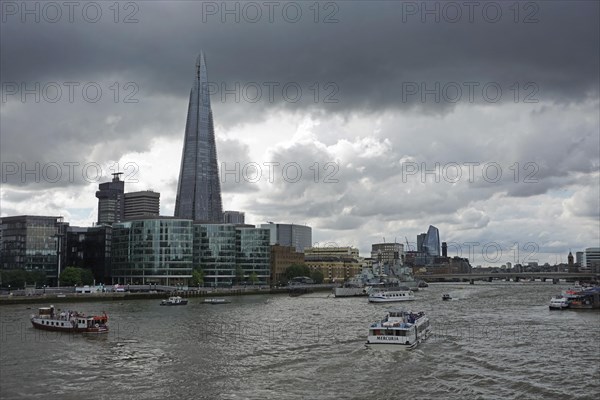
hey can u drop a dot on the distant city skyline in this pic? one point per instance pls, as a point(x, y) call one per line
point(456, 124)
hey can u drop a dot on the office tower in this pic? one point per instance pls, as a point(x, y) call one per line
point(90, 247)
point(110, 201)
point(142, 203)
point(444, 249)
point(431, 244)
point(33, 242)
point(299, 236)
point(592, 258)
point(420, 241)
point(579, 258)
point(230, 254)
point(234, 217)
point(388, 253)
point(155, 250)
point(199, 189)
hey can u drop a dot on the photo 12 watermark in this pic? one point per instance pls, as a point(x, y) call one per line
point(453, 12)
point(272, 92)
point(253, 12)
point(468, 171)
point(469, 92)
point(66, 171)
point(70, 92)
point(271, 171)
point(52, 12)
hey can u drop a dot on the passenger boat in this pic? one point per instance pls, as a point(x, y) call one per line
point(588, 298)
point(558, 303)
point(69, 321)
point(446, 297)
point(391, 295)
point(174, 301)
point(216, 301)
point(400, 328)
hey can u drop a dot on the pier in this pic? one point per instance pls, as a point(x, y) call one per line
point(136, 292)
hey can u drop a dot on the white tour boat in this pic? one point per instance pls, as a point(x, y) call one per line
point(558, 303)
point(391, 295)
point(174, 301)
point(402, 328)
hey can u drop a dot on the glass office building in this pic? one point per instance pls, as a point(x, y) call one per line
point(157, 250)
point(431, 244)
point(215, 253)
point(299, 236)
point(33, 243)
point(254, 253)
point(198, 189)
point(222, 250)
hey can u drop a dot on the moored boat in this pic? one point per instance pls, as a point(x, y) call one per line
point(216, 301)
point(558, 303)
point(69, 321)
point(401, 328)
point(588, 298)
point(391, 295)
point(174, 301)
point(350, 291)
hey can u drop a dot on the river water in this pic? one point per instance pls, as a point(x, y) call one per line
point(493, 341)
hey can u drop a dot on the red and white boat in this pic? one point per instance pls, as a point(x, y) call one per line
point(69, 321)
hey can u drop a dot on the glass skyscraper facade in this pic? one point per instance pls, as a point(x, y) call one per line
point(158, 250)
point(254, 253)
point(33, 243)
point(221, 250)
point(299, 236)
point(431, 244)
point(199, 189)
point(214, 252)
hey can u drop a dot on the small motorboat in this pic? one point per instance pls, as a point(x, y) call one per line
point(446, 297)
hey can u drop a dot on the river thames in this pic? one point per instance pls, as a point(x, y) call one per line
point(492, 341)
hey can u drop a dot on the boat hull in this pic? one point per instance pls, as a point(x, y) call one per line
point(391, 296)
point(350, 292)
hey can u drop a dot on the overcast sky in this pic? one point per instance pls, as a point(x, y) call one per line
point(364, 120)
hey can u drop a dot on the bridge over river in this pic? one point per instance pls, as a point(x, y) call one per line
point(514, 276)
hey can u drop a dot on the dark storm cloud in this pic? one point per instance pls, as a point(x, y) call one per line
point(370, 53)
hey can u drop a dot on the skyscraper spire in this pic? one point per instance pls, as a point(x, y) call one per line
point(199, 189)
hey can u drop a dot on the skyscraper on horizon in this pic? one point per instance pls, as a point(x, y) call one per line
point(199, 189)
point(431, 244)
point(111, 200)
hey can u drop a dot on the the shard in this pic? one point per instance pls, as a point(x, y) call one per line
point(199, 189)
